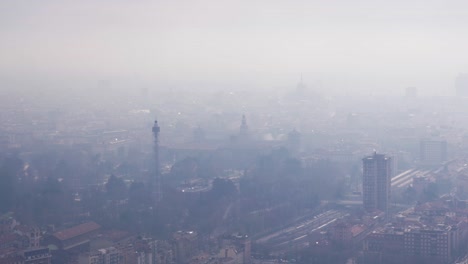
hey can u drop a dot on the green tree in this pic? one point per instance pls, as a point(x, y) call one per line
point(222, 188)
point(116, 188)
point(8, 182)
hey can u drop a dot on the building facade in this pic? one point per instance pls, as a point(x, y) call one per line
point(432, 245)
point(109, 255)
point(377, 171)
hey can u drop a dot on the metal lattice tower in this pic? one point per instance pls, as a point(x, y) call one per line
point(156, 175)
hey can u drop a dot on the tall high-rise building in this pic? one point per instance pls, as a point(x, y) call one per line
point(377, 171)
point(244, 128)
point(155, 181)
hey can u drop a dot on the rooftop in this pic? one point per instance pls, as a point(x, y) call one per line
point(357, 229)
point(76, 231)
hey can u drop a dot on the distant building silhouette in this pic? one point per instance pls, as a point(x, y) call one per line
point(377, 171)
point(461, 84)
point(411, 92)
point(301, 87)
point(244, 128)
point(433, 152)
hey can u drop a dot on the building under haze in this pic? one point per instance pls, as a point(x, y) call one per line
point(377, 171)
point(433, 152)
point(411, 92)
point(301, 87)
point(461, 84)
point(110, 255)
point(244, 128)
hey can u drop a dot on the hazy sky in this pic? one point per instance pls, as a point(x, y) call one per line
point(348, 45)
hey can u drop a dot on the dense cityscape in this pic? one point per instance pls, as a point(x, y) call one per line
point(233, 132)
point(361, 182)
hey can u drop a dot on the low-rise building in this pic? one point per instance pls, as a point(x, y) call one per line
point(109, 255)
point(75, 239)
